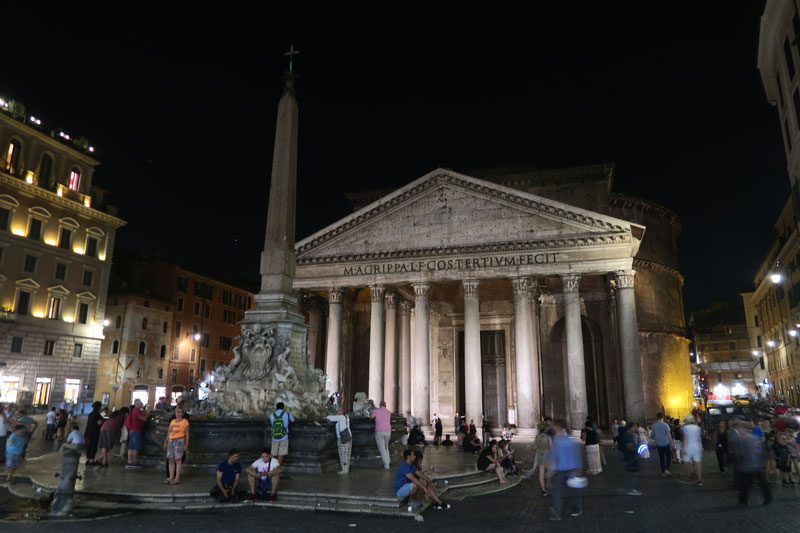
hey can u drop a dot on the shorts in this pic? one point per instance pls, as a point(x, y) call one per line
point(280, 448)
point(12, 460)
point(692, 454)
point(134, 441)
point(106, 440)
point(175, 449)
point(405, 490)
point(264, 485)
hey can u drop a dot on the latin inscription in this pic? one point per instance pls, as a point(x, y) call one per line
point(433, 265)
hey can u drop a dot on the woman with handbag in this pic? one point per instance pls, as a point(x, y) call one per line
point(343, 437)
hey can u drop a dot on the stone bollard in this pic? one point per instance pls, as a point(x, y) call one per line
point(64, 501)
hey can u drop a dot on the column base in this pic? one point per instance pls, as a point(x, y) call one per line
point(525, 434)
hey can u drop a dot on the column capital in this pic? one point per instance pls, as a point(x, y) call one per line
point(335, 295)
point(391, 300)
point(521, 286)
point(405, 307)
point(421, 290)
point(471, 288)
point(625, 278)
point(376, 293)
point(570, 282)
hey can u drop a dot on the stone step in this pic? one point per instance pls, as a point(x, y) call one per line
point(459, 493)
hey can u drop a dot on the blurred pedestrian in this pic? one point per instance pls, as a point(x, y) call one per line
point(720, 443)
point(693, 448)
point(567, 462)
point(592, 442)
point(748, 461)
point(629, 441)
point(662, 435)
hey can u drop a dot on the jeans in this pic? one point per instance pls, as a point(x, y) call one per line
point(382, 439)
point(664, 457)
point(559, 482)
point(721, 459)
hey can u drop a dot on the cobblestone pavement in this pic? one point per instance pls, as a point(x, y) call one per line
point(666, 505)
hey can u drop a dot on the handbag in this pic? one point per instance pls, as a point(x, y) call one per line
point(345, 436)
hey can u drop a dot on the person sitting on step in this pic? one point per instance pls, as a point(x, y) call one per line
point(416, 437)
point(263, 477)
point(427, 483)
point(229, 473)
point(447, 441)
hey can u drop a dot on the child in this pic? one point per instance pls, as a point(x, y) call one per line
point(15, 448)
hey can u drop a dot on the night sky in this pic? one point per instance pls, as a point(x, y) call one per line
point(181, 108)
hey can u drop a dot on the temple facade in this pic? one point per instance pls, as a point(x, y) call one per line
point(512, 295)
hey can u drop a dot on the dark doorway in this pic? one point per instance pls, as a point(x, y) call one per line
point(493, 371)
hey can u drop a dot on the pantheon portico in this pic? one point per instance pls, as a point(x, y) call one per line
point(478, 296)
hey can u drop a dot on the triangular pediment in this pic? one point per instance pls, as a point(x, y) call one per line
point(447, 210)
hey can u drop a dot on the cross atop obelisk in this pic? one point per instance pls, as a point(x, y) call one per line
point(291, 53)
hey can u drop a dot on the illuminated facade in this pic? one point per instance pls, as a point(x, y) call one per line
point(134, 355)
point(509, 294)
point(56, 244)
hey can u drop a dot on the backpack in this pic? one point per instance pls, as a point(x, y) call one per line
point(278, 427)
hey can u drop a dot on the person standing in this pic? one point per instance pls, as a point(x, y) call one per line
point(541, 457)
point(437, 429)
point(91, 433)
point(456, 424)
point(383, 432)
point(567, 461)
point(721, 444)
point(749, 457)
point(615, 429)
point(345, 445)
point(662, 435)
point(677, 439)
point(280, 421)
point(135, 425)
point(693, 448)
point(592, 441)
point(109, 434)
point(629, 443)
point(486, 430)
point(176, 443)
point(50, 425)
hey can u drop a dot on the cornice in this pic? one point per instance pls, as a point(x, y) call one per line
point(492, 248)
point(645, 206)
point(639, 264)
point(60, 201)
point(444, 178)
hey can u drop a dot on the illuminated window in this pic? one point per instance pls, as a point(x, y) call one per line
point(45, 170)
point(83, 313)
point(9, 386)
point(12, 157)
point(23, 306)
point(65, 239)
point(142, 347)
point(54, 308)
point(75, 179)
point(41, 394)
point(115, 346)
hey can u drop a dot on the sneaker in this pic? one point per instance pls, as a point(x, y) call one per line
point(634, 492)
point(699, 483)
point(545, 493)
point(415, 504)
point(129, 467)
point(442, 507)
point(576, 513)
point(554, 515)
point(341, 472)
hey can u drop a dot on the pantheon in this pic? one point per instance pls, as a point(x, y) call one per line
point(510, 294)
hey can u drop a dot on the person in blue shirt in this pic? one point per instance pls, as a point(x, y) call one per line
point(280, 421)
point(406, 481)
point(229, 473)
point(567, 460)
point(15, 449)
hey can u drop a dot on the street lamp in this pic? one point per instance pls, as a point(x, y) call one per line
point(197, 337)
point(775, 278)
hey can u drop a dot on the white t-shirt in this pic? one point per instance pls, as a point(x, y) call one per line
point(262, 468)
point(692, 438)
point(342, 423)
point(75, 438)
point(51, 418)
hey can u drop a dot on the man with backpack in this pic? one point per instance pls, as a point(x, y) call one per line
point(280, 421)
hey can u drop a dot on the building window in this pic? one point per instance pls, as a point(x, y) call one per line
point(180, 304)
point(147, 303)
point(202, 365)
point(160, 373)
point(197, 309)
point(139, 373)
point(182, 283)
point(16, 344)
point(91, 246)
point(193, 356)
point(118, 323)
point(115, 346)
point(65, 239)
point(755, 318)
point(191, 376)
point(45, 171)
point(41, 393)
point(30, 264)
point(75, 179)
point(176, 352)
point(206, 340)
point(177, 329)
point(164, 327)
point(163, 353)
point(12, 157)
point(87, 278)
point(5, 217)
point(207, 311)
point(35, 229)
point(174, 375)
point(780, 88)
point(758, 341)
point(142, 347)
point(225, 343)
point(83, 313)
point(23, 306)
point(61, 271)
point(195, 329)
point(54, 308)
point(49, 346)
point(144, 323)
point(77, 351)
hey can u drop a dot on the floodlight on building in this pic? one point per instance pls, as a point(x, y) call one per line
point(775, 278)
point(91, 149)
point(197, 336)
point(793, 333)
point(771, 344)
point(106, 323)
point(756, 353)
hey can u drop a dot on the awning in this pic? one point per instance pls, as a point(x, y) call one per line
point(726, 366)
